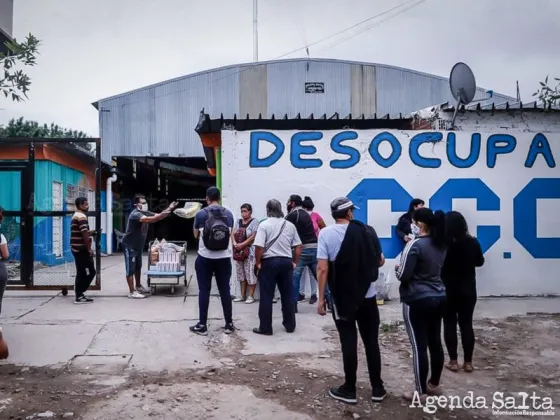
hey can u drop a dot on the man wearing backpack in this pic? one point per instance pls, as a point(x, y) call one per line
point(214, 224)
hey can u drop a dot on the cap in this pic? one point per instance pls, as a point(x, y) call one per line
point(342, 203)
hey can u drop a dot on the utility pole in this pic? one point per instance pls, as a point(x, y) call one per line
point(255, 31)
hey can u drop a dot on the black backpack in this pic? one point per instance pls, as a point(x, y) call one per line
point(216, 233)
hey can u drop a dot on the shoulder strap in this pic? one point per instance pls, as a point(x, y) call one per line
point(268, 245)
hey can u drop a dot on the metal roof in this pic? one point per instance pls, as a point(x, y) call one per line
point(208, 124)
point(260, 63)
point(502, 106)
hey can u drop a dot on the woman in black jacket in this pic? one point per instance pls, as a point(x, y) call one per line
point(464, 254)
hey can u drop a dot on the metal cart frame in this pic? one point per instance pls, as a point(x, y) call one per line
point(173, 276)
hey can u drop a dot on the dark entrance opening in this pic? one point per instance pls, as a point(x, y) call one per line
point(161, 181)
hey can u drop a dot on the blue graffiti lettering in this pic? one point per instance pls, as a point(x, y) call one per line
point(540, 145)
point(495, 147)
point(525, 217)
point(414, 146)
point(338, 147)
point(486, 200)
point(381, 189)
point(256, 138)
point(474, 153)
point(395, 153)
point(298, 149)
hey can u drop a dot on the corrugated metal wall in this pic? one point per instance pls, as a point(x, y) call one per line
point(159, 120)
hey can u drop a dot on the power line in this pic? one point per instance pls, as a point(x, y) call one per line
point(374, 25)
point(306, 47)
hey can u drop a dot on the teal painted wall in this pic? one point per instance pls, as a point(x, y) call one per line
point(10, 190)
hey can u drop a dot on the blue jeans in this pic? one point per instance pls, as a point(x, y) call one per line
point(308, 258)
point(132, 260)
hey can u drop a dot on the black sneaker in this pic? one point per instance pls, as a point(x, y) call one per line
point(378, 394)
point(301, 298)
point(229, 328)
point(83, 299)
point(199, 329)
point(343, 394)
point(313, 299)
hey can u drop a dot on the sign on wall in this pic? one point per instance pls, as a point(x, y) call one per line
point(506, 185)
point(314, 87)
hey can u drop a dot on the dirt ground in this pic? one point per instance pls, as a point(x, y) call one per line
point(511, 355)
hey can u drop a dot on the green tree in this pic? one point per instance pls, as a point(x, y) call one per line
point(24, 128)
point(14, 83)
point(549, 95)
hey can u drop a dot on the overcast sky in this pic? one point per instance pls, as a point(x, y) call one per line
point(94, 49)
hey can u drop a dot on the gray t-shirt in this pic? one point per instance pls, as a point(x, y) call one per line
point(136, 232)
point(288, 239)
point(328, 246)
point(249, 230)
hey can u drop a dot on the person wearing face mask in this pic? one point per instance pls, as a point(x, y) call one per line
point(134, 240)
point(406, 230)
point(423, 298)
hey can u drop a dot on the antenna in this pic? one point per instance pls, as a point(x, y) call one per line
point(255, 31)
point(463, 86)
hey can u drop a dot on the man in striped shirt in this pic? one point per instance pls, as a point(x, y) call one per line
point(80, 243)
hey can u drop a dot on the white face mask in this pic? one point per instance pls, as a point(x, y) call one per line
point(415, 229)
point(144, 207)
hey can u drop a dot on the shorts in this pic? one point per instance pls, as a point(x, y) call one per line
point(132, 260)
point(245, 271)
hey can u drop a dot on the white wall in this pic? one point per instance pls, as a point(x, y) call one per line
point(523, 255)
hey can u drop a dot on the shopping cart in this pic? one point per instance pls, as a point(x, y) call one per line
point(159, 277)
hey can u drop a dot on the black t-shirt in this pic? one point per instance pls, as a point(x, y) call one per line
point(304, 225)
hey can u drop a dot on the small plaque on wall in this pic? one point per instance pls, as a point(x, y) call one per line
point(314, 87)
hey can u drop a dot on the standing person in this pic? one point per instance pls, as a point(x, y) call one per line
point(242, 238)
point(349, 256)
point(277, 251)
point(4, 255)
point(318, 224)
point(80, 245)
point(464, 254)
point(423, 296)
point(214, 223)
point(304, 225)
point(134, 240)
point(406, 230)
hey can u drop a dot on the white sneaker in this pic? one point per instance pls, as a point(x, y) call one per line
point(250, 299)
point(136, 295)
point(238, 299)
point(142, 289)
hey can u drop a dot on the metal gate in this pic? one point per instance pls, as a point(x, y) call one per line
point(39, 182)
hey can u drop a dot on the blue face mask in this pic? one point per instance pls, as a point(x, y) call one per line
point(415, 229)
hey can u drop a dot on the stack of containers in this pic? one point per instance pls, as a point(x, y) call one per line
point(169, 261)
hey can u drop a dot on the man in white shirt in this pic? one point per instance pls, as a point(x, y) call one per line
point(277, 252)
point(349, 255)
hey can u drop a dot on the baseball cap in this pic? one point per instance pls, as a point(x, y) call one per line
point(342, 203)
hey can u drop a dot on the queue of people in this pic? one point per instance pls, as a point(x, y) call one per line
point(436, 272)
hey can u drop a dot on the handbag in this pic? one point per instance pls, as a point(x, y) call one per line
point(268, 245)
point(240, 236)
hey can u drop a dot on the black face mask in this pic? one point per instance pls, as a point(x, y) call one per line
point(289, 207)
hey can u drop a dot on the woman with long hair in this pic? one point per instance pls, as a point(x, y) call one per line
point(406, 230)
point(423, 298)
point(464, 254)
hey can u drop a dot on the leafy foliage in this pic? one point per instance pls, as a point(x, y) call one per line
point(549, 95)
point(14, 83)
point(24, 128)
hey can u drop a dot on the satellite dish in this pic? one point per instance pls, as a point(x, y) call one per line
point(463, 86)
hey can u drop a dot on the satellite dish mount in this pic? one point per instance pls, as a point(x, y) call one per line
point(463, 87)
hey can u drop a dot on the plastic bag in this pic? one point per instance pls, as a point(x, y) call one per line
point(188, 211)
point(383, 285)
